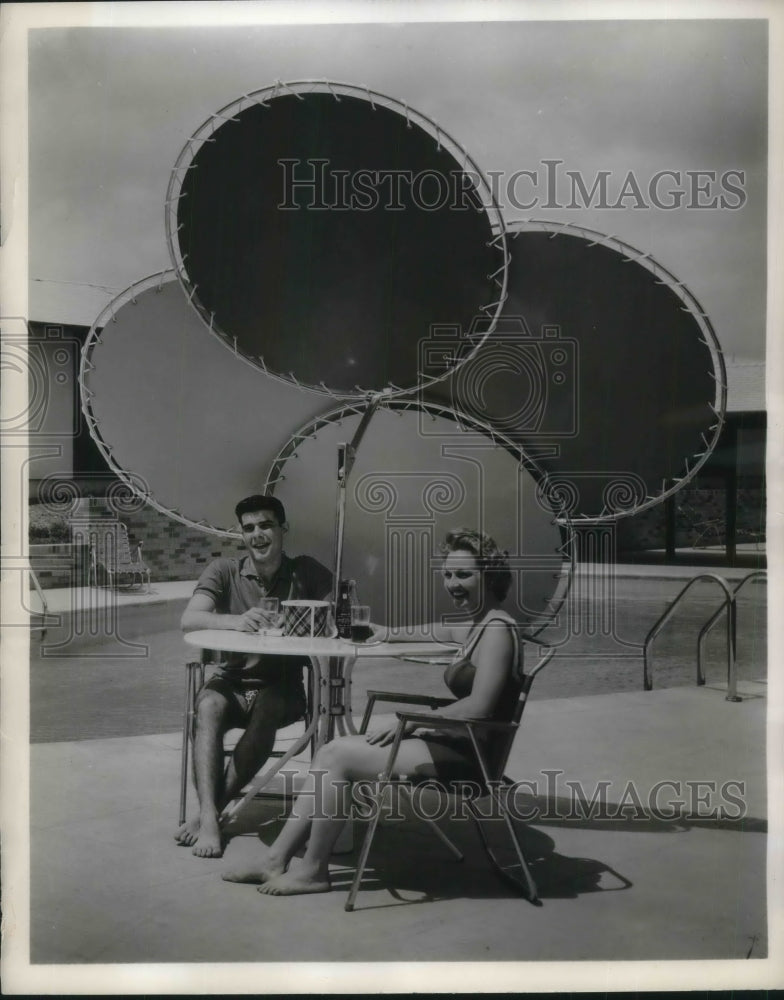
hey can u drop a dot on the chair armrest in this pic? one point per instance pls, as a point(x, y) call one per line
point(403, 699)
point(431, 661)
point(410, 699)
point(441, 722)
point(534, 641)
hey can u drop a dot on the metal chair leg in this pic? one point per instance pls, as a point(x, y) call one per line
point(363, 854)
point(385, 778)
point(526, 885)
point(458, 854)
point(368, 712)
point(187, 726)
point(194, 682)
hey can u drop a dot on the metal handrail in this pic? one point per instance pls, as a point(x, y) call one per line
point(42, 628)
point(729, 603)
point(756, 574)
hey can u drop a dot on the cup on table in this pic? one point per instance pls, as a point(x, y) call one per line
point(360, 623)
point(306, 619)
point(270, 606)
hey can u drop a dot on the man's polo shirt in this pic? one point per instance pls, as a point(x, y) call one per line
point(235, 587)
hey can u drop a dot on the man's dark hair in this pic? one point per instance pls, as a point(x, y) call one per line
point(251, 505)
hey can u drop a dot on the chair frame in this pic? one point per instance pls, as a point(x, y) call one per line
point(125, 560)
point(195, 676)
point(524, 883)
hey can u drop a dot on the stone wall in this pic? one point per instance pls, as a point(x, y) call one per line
point(54, 565)
point(172, 550)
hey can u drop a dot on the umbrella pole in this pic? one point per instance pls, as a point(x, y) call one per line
point(340, 520)
point(347, 453)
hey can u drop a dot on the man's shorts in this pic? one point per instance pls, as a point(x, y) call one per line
point(282, 700)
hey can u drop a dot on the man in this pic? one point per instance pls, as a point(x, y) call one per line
point(260, 694)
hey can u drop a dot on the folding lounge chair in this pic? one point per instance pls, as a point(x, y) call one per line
point(111, 551)
point(492, 772)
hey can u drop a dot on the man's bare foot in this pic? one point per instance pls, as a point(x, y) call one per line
point(188, 833)
point(263, 868)
point(209, 843)
point(295, 883)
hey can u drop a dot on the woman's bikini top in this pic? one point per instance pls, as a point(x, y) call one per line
point(460, 673)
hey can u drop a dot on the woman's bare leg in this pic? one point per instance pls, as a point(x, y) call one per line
point(340, 763)
point(274, 860)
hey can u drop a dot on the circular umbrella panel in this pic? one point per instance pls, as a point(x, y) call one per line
point(417, 475)
point(602, 367)
point(187, 425)
point(321, 230)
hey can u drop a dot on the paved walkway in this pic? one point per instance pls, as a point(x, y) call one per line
point(678, 873)
point(110, 885)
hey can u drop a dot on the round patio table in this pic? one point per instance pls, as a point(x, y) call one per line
point(332, 662)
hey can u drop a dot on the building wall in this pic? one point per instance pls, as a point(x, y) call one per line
point(54, 406)
point(173, 551)
point(699, 520)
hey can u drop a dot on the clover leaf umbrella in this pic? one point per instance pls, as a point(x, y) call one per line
point(602, 366)
point(321, 229)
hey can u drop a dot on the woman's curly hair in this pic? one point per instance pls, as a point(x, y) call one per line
point(492, 561)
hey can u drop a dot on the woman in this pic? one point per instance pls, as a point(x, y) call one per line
point(484, 679)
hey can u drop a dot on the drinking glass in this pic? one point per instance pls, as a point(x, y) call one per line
point(271, 608)
point(360, 623)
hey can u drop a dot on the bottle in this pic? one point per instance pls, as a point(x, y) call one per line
point(343, 610)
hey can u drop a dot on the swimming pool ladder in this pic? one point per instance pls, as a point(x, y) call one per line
point(42, 628)
point(729, 605)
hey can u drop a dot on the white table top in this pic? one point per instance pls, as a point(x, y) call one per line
point(251, 642)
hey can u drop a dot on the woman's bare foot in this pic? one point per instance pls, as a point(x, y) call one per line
point(209, 843)
point(263, 868)
point(188, 833)
point(296, 882)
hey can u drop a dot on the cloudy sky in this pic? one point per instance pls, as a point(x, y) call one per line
point(111, 108)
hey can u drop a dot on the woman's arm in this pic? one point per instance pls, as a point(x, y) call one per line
point(432, 632)
point(201, 614)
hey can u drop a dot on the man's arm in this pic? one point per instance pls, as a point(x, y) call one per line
point(201, 614)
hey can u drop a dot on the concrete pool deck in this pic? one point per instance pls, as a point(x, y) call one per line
point(109, 884)
point(663, 880)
